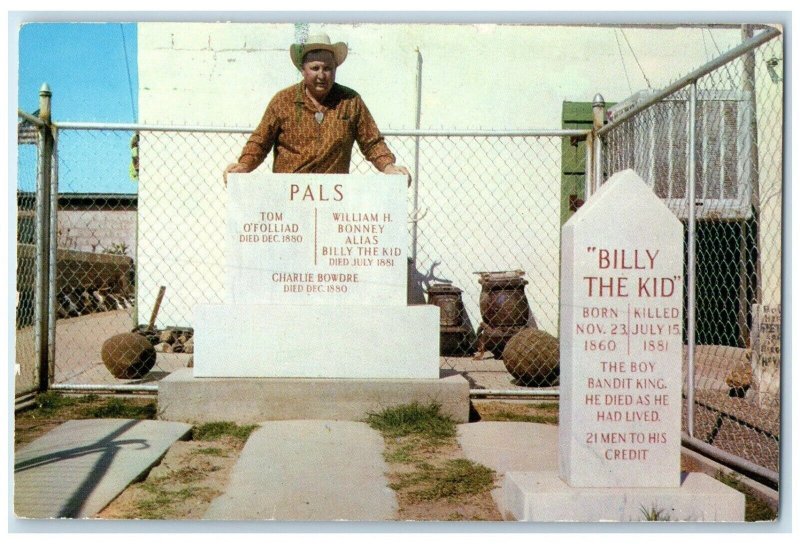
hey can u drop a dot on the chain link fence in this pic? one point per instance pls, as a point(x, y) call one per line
point(483, 228)
point(487, 250)
point(485, 212)
point(735, 250)
point(27, 369)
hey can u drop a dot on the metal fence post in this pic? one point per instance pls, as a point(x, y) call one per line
point(53, 257)
point(588, 178)
point(598, 117)
point(43, 208)
point(749, 88)
point(415, 188)
point(690, 261)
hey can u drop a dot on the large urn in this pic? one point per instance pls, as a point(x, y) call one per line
point(455, 334)
point(504, 309)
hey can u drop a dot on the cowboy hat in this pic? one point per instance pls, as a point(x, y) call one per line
point(313, 43)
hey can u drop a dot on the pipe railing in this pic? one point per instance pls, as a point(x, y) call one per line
point(390, 132)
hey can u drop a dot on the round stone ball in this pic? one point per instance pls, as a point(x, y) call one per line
point(128, 356)
point(531, 356)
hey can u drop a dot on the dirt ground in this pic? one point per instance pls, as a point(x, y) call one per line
point(182, 486)
point(194, 472)
point(463, 507)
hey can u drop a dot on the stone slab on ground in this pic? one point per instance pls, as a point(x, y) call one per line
point(80, 466)
point(308, 470)
point(509, 446)
point(506, 446)
point(543, 496)
point(182, 397)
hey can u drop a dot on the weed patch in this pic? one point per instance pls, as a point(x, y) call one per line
point(182, 486)
point(453, 479)
point(211, 452)
point(120, 408)
point(160, 502)
point(220, 429)
point(413, 419)
point(402, 453)
point(654, 514)
point(431, 481)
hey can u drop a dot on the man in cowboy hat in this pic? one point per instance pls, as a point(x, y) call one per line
point(312, 125)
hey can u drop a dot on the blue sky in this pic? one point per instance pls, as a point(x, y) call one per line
point(92, 70)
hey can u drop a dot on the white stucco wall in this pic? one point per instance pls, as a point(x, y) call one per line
point(487, 208)
point(490, 76)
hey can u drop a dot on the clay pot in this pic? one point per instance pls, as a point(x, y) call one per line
point(128, 356)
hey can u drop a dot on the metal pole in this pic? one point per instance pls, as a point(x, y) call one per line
point(43, 196)
point(53, 262)
point(122, 388)
point(415, 190)
point(588, 178)
point(749, 88)
point(533, 393)
point(738, 463)
point(691, 265)
point(389, 132)
point(598, 164)
point(598, 119)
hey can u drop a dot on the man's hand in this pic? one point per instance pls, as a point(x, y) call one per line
point(394, 169)
point(234, 168)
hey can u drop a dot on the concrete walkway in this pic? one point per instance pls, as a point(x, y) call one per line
point(334, 470)
point(308, 470)
point(76, 469)
point(288, 470)
point(510, 447)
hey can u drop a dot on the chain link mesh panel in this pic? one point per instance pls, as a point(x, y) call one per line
point(738, 169)
point(486, 227)
point(27, 374)
point(489, 224)
point(95, 251)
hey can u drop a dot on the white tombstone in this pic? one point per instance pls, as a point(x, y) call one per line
point(316, 239)
point(316, 283)
point(621, 340)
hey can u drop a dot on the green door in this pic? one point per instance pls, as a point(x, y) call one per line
point(574, 115)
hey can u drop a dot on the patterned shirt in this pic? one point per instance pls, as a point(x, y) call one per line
point(305, 145)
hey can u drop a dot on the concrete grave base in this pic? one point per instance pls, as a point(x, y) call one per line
point(304, 341)
point(543, 496)
point(182, 397)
